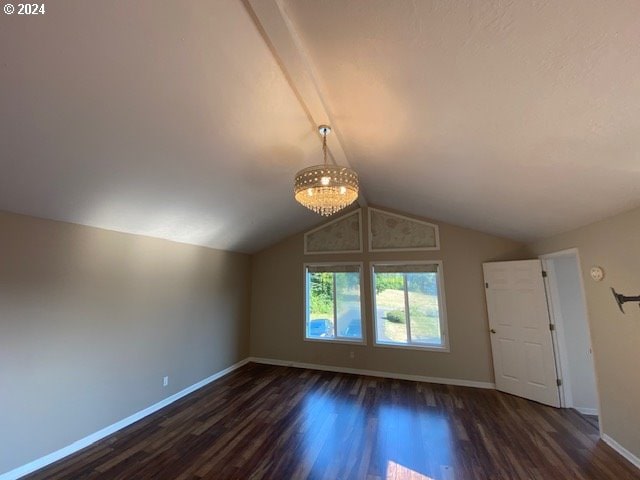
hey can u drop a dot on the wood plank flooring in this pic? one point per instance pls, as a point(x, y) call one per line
point(593, 420)
point(266, 422)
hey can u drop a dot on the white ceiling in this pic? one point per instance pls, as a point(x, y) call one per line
point(167, 119)
point(519, 118)
point(188, 120)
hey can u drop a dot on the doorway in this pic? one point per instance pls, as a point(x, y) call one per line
point(539, 331)
point(521, 343)
point(571, 336)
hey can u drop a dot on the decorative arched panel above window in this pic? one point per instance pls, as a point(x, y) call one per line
point(389, 232)
point(342, 235)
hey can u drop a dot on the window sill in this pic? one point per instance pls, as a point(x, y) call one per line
point(413, 346)
point(336, 340)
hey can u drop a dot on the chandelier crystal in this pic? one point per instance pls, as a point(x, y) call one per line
point(326, 189)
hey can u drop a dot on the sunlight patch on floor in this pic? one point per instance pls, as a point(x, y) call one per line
point(395, 471)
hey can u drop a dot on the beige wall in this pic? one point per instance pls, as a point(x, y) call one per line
point(277, 320)
point(613, 244)
point(91, 320)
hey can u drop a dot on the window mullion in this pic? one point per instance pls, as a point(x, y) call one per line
point(307, 308)
point(406, 308)
point(335, 309)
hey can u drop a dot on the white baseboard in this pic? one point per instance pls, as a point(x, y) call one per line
point(374, 373)
point(621, 450)
point(94, 437)
point(586, 411)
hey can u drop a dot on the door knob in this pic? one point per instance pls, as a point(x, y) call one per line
point(492, 331)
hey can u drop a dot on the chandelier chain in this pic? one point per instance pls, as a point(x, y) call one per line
point(324, 147)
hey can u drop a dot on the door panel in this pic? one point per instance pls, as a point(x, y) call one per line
point(508, 350)
point(534, 356)
point(522, 347)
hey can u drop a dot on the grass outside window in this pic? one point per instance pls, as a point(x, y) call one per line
point(408, 306)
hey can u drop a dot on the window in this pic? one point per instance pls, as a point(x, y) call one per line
point(333, 308)
point(409, 305)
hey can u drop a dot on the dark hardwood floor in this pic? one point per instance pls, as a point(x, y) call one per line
point(593, 420)
point(265, 422)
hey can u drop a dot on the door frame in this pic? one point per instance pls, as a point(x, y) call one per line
point(558, 334)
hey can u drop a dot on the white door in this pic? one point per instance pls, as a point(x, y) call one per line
point(521, 341)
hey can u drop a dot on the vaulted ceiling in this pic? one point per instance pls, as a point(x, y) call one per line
point(188, 120)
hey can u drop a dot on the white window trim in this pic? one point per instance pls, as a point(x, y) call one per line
point(442, 309)
point(363, 322)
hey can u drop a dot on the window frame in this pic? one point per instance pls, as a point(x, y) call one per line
point(442, 309)
point(305, 311)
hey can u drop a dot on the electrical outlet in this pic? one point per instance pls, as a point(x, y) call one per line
point(352, 354)
point(165, 381)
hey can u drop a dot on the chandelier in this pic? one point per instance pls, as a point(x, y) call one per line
point(326, 189)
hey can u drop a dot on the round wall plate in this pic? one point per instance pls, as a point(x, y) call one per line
point(597, 273)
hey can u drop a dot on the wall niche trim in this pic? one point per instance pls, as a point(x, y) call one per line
point(340, 235)
point(392, 232)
